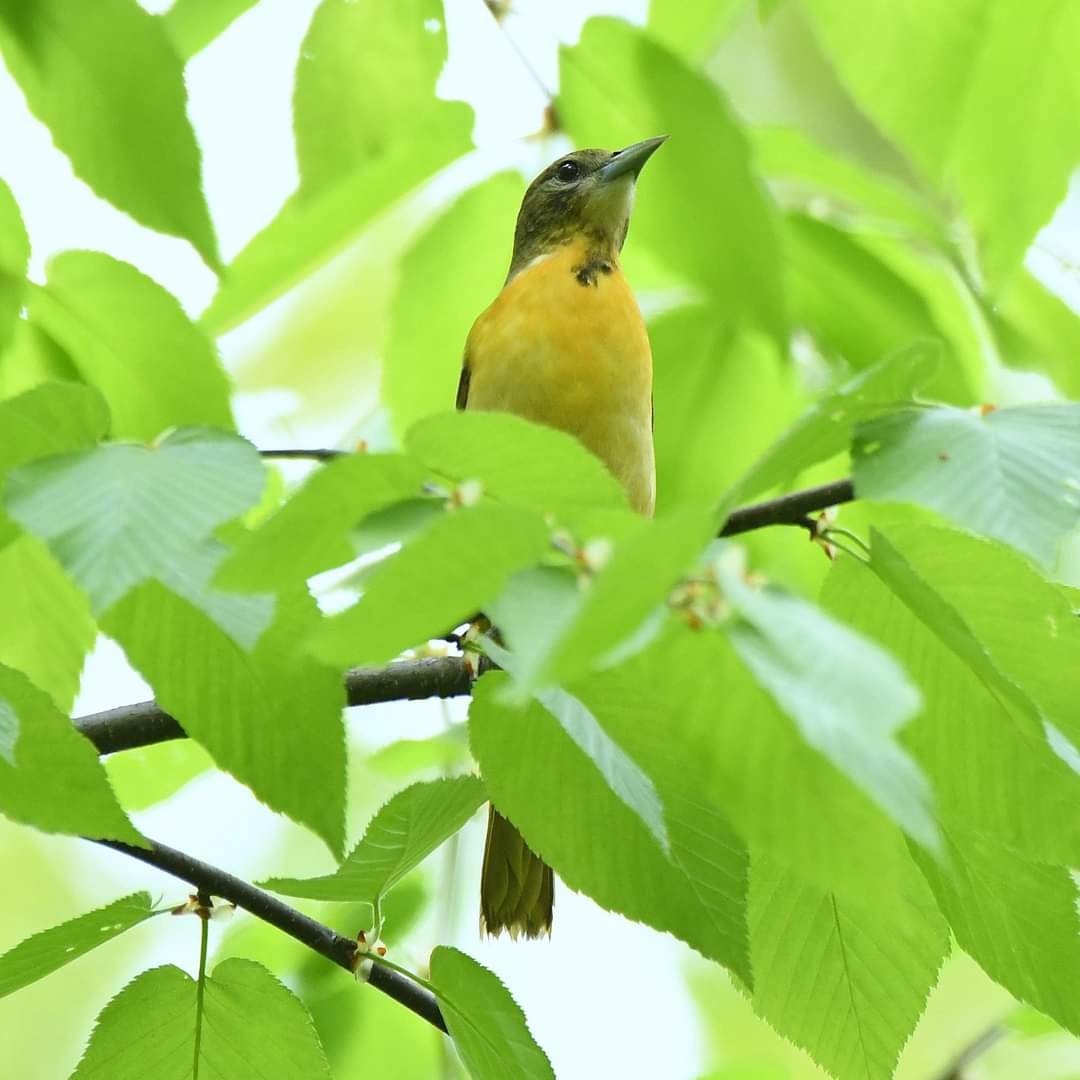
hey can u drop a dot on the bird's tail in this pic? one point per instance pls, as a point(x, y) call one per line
point(516, 885)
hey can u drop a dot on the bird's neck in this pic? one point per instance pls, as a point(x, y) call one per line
point(586, 253)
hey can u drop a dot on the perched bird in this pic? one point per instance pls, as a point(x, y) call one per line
point(564, 344)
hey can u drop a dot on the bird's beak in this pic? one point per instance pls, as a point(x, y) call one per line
point(630, 160)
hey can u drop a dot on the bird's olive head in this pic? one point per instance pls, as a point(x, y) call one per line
point(587, 193)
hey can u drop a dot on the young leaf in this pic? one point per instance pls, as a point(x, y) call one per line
point(659, 95)
point(361, 144)
point(50, 950)
point(310, 532)
point(270, 716)
point(57, 784)
point(825, 429)
point(435, 583)
point(47, 628)
point(486, 1024)
point(147, 775)
point(516, 461)
point(1012, 474)
point(468, 247)
point(252, 1026)
point(528, 762)
point(135, 146)
point(193, 24)
point(839, 980)
point(1015, 917)
point(110, 318)
point(398, 838)
point(847, 696)
point(121, 514)
point(14, 258)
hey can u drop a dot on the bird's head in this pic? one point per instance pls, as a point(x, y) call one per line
point(589, 194)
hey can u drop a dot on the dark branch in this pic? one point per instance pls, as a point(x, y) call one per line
point(130, 726)
point(789, 509)
point(326, 942)
point(305, 455)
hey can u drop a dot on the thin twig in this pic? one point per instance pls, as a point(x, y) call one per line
point(305, 455)
point(789, 509)
point(957, 1070)
point(131, 726)
point(336, 948)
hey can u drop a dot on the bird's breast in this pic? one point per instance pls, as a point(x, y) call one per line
point(564, 344)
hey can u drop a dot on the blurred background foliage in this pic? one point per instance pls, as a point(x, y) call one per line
point(842, 179)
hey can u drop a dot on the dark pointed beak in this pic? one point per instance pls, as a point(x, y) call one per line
point(631, 159)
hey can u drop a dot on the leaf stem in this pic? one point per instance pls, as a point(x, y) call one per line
point(200, 986)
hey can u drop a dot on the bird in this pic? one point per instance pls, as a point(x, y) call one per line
point(564, 344)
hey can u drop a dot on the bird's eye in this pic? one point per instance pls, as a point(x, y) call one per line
point(568, 171)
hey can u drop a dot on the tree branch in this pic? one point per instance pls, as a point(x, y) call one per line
point(131, 726)
point(305, 455)
point(789, 509)
point(326, 942)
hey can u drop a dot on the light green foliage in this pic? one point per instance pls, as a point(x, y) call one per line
point(9, 732)
point(193, 24)
point(438, 581)
point(834, 977)
point(975, 89)
point(485, 1022)
point(51, 949)
point(56, 782)
point(271, 716)
point(122, 514)
point(130, 338)
point(106, 81)
point(148, 775)
point(362, 143)
point(252, 1026)
point(398, 838)
point(697, 893)
point(1013, 474)
point(692, 28)
point(428, 327)
point(309, 533)
point(14, 256)
point(701, 208)
point(847, 696)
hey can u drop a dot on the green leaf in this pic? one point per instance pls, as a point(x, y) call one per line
point(193, 24)
point(14, 259)
point(465, 249)
point(825, 429)
point(134, 146)
point(1016, 917)
point(1012, 474)
point(603, 615)
point(436, 582)
point(57, 783)
point(147, 775)
point(120, 514)
point(50, 950)
point(252, 1026)
point(111, 318)
point(310, 532)
point(47, 629)
point(693, 28)
point(719, 401)
point(362, 144)
point(486, 1024)
point(33, 358)
point(271, 717)
point(825, 677)
point(1015, 630)
point(836, 978)
point(48, 419)
point(517, 461)
point(9, 732)
point(528, 762)
point(991, 770)
point(406, 757)
point(971, 94)
point(398, 838)
point(617, 87)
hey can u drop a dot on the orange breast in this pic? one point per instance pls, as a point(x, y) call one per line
point(575, 357)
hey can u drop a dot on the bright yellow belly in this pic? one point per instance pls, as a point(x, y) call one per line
point(575, 357)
